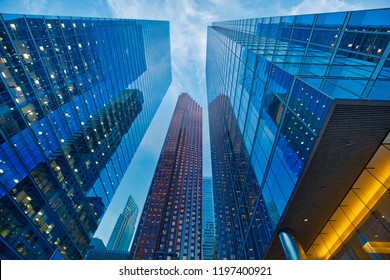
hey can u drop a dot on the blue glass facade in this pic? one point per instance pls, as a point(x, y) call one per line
point(279, 78)
point(123, 231)
point(208, 224)
point(239, 209)
point(76, 97)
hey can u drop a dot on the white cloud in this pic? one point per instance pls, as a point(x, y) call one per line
point(321, 6)
point(25, 6)
point(34, 6)
point(128, 9)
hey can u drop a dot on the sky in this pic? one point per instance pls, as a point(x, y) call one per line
point(188, 28)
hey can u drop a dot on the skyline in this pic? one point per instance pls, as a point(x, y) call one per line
point(187, 38)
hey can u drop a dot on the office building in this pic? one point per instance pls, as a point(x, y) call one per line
point(76, 97)
point(107, 255)
point(299, 113)
point(237, 189)
point(124, 228)
point(97, 251)
point(208, 225)
point(170, 226)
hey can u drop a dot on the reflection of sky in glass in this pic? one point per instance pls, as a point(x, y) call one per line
point(73, 114)
point(188, 21)
point(280, 78)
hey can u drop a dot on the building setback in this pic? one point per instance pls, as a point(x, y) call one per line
point(76, 97)
point(124, 228)
point(170, 226)
point(299, 113)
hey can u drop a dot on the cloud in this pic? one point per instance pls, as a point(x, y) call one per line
point(86, 8)
point(35, 6)
point(321, 6)
point(24, 6)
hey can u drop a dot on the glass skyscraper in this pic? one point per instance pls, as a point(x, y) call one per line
point(299, 113)
point(124, 228)
point(170, 226)
point(76, 98)
point(208, 225)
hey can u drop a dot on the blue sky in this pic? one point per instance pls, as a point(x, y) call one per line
point(188, 22)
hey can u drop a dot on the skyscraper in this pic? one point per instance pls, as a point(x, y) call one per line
point(76, 98)
point(208, 225)
point(124, 228)
point(299, 113)
point(237, 190)
point(170, 226)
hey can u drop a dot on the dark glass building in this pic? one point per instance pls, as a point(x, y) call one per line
point(170, 226)
point(124, 228)
point(76, 97)
point(299, 114)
